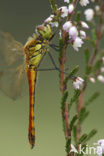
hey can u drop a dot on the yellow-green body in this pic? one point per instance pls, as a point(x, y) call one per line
point(37, 46)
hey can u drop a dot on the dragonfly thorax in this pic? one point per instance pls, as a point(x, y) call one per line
point(34, 51)
point(37, 46)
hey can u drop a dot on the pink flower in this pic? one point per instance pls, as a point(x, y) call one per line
point(102, 69)
point(73, 32)
point(100, 78)
point(82, 34)
point(103, 59)
point(84, 2)
point(77, 43)
point(49, 19)
point(84, 25)
point(100, 147)
point(67, 26)
point(54, 24)
point(89, 13)
point(70, 8)
point(78, 83)
point(64, 11)
point(97, 8)
point(92, 79)
point(67, 1)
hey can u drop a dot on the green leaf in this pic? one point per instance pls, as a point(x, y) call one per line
point(72, 73)
point(63, 124)
point(60, 48)
point(64, 98)
point(97, 65)
point(94, 36)
point(87, 55)
point(91, 134)
point(74, 98)
point(93, 97)
point(68, 143)
point(53, 5)
point(87, 137)
point(82, 139)
point(74, 119)
point(67, 79)
point(78, 17)
point(82, 114)
point(75, 133)
point(85, 115)
point(88, 69)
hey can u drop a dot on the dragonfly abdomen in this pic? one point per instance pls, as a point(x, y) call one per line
point(31, 73)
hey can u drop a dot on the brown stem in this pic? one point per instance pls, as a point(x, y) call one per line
point(79, 107)
point(63, 87)
point(98, 33)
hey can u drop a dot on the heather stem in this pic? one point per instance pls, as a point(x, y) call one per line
point(93, 57)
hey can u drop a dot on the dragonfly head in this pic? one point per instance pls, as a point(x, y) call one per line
point(45, 31)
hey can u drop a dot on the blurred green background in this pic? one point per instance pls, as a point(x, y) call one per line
point(20, 19)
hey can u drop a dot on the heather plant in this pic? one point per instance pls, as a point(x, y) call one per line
point(79, 28)
point(77, 24)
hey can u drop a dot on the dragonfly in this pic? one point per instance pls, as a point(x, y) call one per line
point(17, 59)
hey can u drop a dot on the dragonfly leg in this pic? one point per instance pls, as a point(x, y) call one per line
point(52, 60)
point(55, 47)
point(55, 67)
point(46, 69)
point(54, 64)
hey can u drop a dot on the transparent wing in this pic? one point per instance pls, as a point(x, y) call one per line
point(12, 67)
